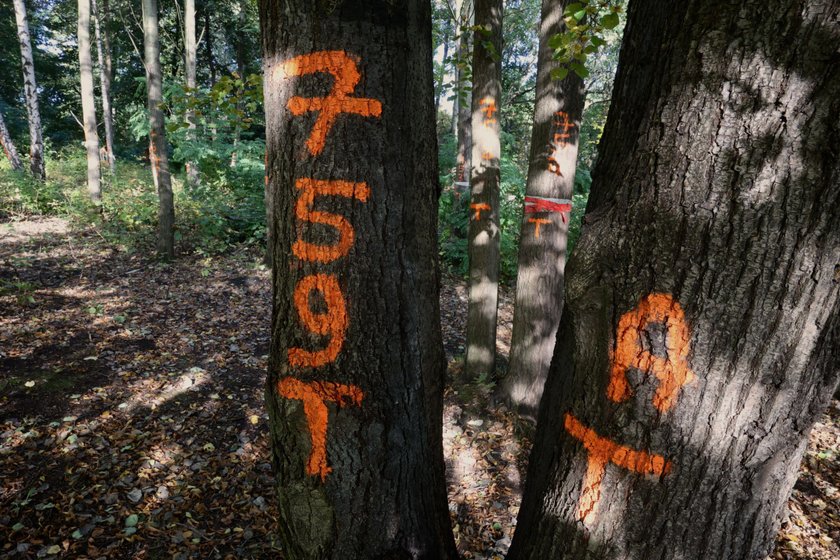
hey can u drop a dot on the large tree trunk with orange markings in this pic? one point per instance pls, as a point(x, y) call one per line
point(356, 376)
point(484, 233)
point(701, 333)
point(542, 241)
point(158, 147)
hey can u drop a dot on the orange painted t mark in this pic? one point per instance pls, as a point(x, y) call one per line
point(538, 222)
point(331, 322)
point(673, 371)
point(345, 72)
point(478, 207)
point(488, 107)
point(602, 451)
point(309, 189)
point(315, 395)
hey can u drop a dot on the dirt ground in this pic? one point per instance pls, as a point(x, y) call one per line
point(132, 422)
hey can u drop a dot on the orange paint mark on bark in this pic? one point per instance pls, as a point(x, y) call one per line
point(602, 451)
point(486, 156)
point(478, 207)
point(488, 107)
point(553, 165)
point(344, 70)
point(331, 322)
point(315, 395)
point(565, 125)
point(538, 222)
point(672, 371)
point(310, 188)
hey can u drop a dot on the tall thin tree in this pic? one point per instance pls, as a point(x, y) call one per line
point(88, 102)
point(461, 113)
point(30, 90)
point(190, 71)
point(558, 109)
point(158, 148)
point(484, 232)
point(356, 376)
point(701, 335)
point(9, 146)
point(103, 52)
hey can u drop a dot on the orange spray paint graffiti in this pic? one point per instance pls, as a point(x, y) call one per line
point(672, 372)
point(315, 395)
point(332, 322)
point(479, 207)
point(601, 452)
point(560, 138)
point(345, 71)
point(488, 107)
point(537, 223)
point(310, 188)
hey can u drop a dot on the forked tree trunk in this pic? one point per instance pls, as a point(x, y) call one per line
point(158, 149)
point(189, 71)
point(103, 51)
point(356, 375)
point(9, 146)
point(88, 102)
point(484, 232)
point(542, 241)
point(30, 92)
point(701, 334)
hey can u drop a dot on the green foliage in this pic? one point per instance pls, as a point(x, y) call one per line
point(587, 26)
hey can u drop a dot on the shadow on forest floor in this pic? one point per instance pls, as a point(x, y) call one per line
point(132, 422)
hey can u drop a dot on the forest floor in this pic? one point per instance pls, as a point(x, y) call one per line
point(132, 422)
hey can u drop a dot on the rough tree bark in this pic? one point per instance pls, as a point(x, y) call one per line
point(103, 51)
point(9, 146)
point(208, 44)
point(88, 102)
point(484, 233)
point(542, 241)
point(30, 91)
point(701, 334)
point(356, 375)
point(158, 148)
point(189, 71)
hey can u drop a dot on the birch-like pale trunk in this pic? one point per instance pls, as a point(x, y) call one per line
point(88, 102)
point(30, 91)
point(158, 150)
point(103, 52)
point(189, 70)
point(9, 146)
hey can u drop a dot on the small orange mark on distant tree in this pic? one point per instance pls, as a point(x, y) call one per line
point(310, 188)
point(537, 223)
point(344, 70)
point(602, 451)
point(331, 322)
point(488, 107)
point(478, 207)
point(315, 395)
point(486, 156)
point(671, 371)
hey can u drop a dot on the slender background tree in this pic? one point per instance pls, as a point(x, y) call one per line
point(88, 103)
point(30, 89)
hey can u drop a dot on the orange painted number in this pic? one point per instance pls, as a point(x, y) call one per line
point(309, 189)
point(345, 72)
point(331, 322)
point(672, 371)
point(479, 207)
point(315, 395)
point(601, 452)
point(488, 107)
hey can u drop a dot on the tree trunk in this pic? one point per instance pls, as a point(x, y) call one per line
point(464, 96)
point(30, 91)
point(484, 233)
point(9, 146)
point(158, 149)
point(88, 102)
point(356, 375)
point(701, 335)
point(103, 51)
point(542, 241)
point(190, 48)
point(208, 45)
